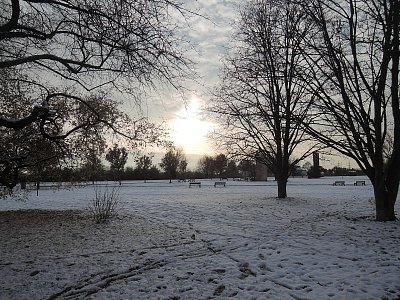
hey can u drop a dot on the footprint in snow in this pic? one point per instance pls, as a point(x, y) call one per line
point(246, 271)
point(219, 290)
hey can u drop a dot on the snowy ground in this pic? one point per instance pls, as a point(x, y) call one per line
point(170, 241)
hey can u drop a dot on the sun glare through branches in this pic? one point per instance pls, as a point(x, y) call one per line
point(189, 130)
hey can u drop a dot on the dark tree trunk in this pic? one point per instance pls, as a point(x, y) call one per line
point(282, 183)
point(384, 208)
point(37, 187)
point(385, 200)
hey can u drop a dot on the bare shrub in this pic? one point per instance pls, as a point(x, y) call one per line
point(103, 206)
point(16, 193)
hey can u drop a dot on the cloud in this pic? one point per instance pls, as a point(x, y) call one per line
point(211, 33)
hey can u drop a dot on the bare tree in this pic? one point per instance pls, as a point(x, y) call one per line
point(26, 148)
point(85, 45)
point(232, 169)
point(92, 168)
point(220, 164)
point(182, 167)
point(263, 100)
point(79, 39)
point(75, 128)
point(171, 160)
point(247, 168)
point(117, 157)
point(354, 53)
point(143, 165)
point(206, 166)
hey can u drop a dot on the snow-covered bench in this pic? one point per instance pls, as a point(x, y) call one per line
point(339, 182)
point(221, 183)
point(195, 183)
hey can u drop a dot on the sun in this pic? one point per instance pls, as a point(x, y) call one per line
point(189, 131)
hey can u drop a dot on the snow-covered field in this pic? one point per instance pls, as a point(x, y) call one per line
point(170, 241)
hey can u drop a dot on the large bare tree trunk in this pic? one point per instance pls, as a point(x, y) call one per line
point(384, 204)
point(282, 184)
point(385, 191)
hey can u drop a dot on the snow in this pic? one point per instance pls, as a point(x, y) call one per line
point(170, 241)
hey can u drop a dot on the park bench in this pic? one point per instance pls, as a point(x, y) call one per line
point(195, 183)
point(219, 183)
point(339, 182)
point(359, 182)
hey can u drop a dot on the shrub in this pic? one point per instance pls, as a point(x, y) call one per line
point(103, 206)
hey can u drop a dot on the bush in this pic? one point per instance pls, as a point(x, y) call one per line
point(103, 206)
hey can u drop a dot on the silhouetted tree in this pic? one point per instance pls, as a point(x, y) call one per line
point(170, 162)
point(206, 166)
point(247, 168)
point(117, 157)
point(232, 169)
point(220, 164)
point(93, 167)
point(154, 173)
point(182, 168)
point(125, 46)
point(354, 54)
point(262, 100)
point(143, 165)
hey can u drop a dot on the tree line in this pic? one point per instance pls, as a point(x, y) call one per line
point(173, 166)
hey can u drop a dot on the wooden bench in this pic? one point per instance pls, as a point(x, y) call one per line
point(359, 182)
point(195, 183)
point(221, 183)
point(340, 182)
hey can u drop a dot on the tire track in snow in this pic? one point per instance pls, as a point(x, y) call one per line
point(94, 284)
point(89, 286)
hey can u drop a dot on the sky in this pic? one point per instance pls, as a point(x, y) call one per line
point(182, 113)
point(210, 33)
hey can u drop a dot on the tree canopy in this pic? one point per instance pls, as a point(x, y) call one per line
point(172, 160)
point(262, 100)
point(71, 63)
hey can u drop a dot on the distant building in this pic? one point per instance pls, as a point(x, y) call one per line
point(262, 172)
point(299, 171)
point(315, 171)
